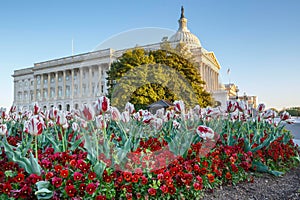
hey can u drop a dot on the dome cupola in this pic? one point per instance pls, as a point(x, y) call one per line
point(184, 35)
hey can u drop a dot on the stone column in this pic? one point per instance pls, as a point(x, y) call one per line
point(56, 86)
point(64, 85)
point(49, 85)
point(90, 82)
point(80, 82)
point(34, 88)
point(42, 87)
point(72, 84)
point(100, 79)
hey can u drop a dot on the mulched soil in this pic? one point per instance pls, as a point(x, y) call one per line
point(265, 186)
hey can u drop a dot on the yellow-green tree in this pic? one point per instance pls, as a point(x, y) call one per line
point(143, 77)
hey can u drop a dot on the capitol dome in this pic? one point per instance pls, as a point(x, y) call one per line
point(184, 35)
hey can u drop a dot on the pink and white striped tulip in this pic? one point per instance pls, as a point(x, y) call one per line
point(115, 114)
point(241, 106)
point(205, 132)
point(261, 107)
point(102, 104)
point(231, 106)
point(61, 118)
point(157, 123)
point(129, 107)
point(100, 122)
point(3, 129)
point(285, 116)
point(125, 117)
point(75, 126)
point(87, 113)
point(34, 126)
point(179, 106)
point(36, 108)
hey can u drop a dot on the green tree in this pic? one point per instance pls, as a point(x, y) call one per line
point(148, 76)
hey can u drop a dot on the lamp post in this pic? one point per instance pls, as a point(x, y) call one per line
point(246, 99)
point(237, 90)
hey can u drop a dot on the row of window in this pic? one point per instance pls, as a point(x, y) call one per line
point(85, 91)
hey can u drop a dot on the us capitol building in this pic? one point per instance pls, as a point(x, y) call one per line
point(69, 82)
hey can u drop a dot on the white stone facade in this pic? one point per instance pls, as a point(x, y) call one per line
point(68, 82)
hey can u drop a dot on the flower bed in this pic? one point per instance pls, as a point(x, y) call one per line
point(100, 153)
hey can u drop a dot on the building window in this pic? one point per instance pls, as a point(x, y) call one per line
point(59, 78)
point(45, 94)
point(45, 81)
point(20, 96)
point(26, 83)
point(31, 96)
point(38, 94)
point(52, 90)
point(68, 91)
point(31, 83)
point(59, 91)
point(102, 89)
point(25, 96)
point(67, 77)
point(52, 79)
point(75, 77)
point(38, 80)
point(84, 89)
point(75, 89)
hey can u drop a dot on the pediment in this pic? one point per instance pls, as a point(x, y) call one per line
point(211, 55)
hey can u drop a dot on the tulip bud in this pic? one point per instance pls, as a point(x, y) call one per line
point(241, 106)
point(34, 126)
point(36, 108)
point(179, 106)
point(285, 116)
point(261, 107)
point(231, 106)
point(176, 124)
point(269, 114)
point(102, 104)
point(3, 129)
point(87, 113)
point(75, 126)
point(13, 109)
point(115, 114)
point(61, 118)
point(160, 113)
point(2, 113)
point(157, 123)
point(205, 132)
point(52, 113)
point(100, 122)
point(129, 107)
point(147, 117)
point(125, 116)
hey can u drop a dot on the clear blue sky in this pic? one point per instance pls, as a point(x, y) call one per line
point(259, 40)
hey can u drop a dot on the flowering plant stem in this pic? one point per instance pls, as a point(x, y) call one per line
point(36, 147)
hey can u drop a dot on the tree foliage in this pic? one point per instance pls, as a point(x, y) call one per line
point(148, 76)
